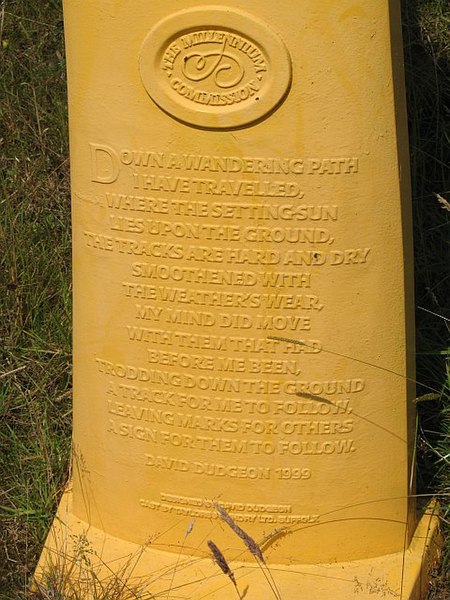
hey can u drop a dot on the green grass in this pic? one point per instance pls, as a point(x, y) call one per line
point(427, 57)
point(35, 320)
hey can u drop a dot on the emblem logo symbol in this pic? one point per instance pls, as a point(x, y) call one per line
point(215, 76)
point(198, 66)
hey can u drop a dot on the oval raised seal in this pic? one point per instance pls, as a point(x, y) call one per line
point(215, 68)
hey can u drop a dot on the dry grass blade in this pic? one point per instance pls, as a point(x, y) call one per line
point(221, 562)
point(189, 529)
point(278, 338)
point(427, 398)
point(252, 546)
point(81, 574)
point(443, 202)
point(8, 373)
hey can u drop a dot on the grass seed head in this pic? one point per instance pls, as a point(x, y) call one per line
point(252, 546)
point(220, 560)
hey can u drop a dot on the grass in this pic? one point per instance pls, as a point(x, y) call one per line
point(76, 578)
point(427, 58)
point(35, 320)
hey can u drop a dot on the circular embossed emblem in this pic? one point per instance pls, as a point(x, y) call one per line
point(214, 67)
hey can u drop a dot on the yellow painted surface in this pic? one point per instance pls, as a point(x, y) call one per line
point(242, 276)
point(89, 554)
